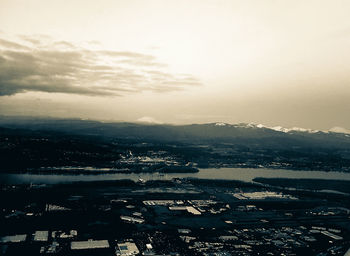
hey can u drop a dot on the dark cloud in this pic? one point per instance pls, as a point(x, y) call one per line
point(62, 67)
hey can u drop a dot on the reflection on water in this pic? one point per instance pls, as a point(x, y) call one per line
point(243, 174)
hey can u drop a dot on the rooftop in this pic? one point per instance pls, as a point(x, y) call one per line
point(127, 249)
point(89, 244)
point(13, 239)
point(41, 236)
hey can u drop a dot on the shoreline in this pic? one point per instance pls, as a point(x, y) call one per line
point(180, 170)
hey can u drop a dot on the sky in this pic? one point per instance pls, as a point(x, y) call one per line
point(267, 62)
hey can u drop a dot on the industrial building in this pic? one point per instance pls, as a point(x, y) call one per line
point(127, 249)
point(41, 236)
point(89, 244)
point(13, 239)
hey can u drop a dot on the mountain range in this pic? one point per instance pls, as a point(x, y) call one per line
point(28, 142)
point(241, 133)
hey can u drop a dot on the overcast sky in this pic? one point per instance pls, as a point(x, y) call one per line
point(270, 62)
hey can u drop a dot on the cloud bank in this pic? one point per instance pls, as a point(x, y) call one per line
point(62, 67)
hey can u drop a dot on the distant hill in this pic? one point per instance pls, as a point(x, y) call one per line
point(47, 142)
point(246, 134)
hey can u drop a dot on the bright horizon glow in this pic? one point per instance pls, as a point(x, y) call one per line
point(271, 62)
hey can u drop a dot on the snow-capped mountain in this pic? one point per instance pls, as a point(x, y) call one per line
point(335, 129)
point(218, 132)
point(339, 130)
point(293, 129)
point(280, 128)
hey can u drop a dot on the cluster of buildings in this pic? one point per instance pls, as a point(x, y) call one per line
point(262, 195)
point(122, 248)
point(194, 207)
point(151, 158)
point(51, 245)
point(243, 241)
point(268, 241)
point(163, 221)
point(48, 242)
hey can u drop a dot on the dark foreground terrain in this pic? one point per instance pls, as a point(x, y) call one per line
point(174, 217)
point(178, 217)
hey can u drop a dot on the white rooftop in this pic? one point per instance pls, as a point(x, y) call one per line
point(127, 249)
point(41, 236)
point(13, 239)
point(89, 244)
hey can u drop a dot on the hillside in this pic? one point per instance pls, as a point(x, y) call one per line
point(35, 142)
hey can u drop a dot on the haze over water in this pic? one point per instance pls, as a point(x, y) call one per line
point(242, 174)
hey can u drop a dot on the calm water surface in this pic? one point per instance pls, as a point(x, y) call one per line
point(243, 174)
